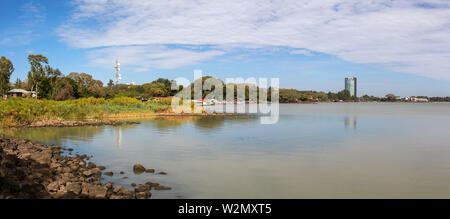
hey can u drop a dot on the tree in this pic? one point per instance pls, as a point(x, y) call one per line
point(63, 90)
point(36, 75)
point(18, 83)
point(87, 86)
point(344, 95)
point(391, 97)
point(6, 69)
point(110, 83)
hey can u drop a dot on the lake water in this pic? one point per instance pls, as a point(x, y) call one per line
point(330, 150)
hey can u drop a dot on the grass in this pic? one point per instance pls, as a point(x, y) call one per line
point(20, 111)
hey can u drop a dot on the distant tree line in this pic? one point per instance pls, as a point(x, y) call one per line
point(51, 83)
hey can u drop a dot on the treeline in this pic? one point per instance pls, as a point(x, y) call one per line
point(51, 83)
point(439, 99)
point(296, 96)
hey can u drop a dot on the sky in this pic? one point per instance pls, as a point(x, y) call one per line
point(391, 46)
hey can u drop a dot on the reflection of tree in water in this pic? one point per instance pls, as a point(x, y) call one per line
point(57, 135)
point(165, 122)
point(209, 123)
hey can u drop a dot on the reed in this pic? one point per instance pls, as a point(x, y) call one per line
point(16, 111)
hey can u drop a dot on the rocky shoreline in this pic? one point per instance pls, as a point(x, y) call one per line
point(38, 171)
point(68, 123)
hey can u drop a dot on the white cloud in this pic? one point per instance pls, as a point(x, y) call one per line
point(406, 35)
point(302, 52)
point(25, 29)
point(144, 58)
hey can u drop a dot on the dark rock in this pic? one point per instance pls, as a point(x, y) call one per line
point(152, 184)
point(101, 167)
point(162, 173)
point(91, 165)
point(109, 185)
point(138, 168)
point(87, 173)
point(142, 188)
point(75, 188)
point(94, 191)
point(162, 188)
point(109, 174)
point(143, 195)
point(96, 172)
point(149, 170)
point(53, 187)
point(133, 184)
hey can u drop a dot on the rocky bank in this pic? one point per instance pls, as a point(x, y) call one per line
point(30, 170)
point(66, 123)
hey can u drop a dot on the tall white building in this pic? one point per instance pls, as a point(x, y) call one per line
point(350, 85)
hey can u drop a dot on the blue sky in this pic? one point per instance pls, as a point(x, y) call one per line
point(399, 47)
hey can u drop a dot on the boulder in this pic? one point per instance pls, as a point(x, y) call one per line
point(162, 188)
point(151, 184)
point(143, 195)
point(87, 173)
point(150, 170)
point(96, 172)
point(109, 185)
point(142, 188)
point(109, 173)
point(53, 187)
point(94, 191)
point(91, 165)
point(138, 168)
point(75, 188)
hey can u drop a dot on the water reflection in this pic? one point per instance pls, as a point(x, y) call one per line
point(308, 154)
point(55, 135)
point(350, 122)
point(118, 137)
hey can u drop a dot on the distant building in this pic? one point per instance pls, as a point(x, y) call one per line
point(350, 85)
point(21, 93)
point(418, 99)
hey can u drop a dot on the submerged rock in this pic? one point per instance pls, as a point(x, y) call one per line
point(150, 170)
point(142, 188)
point(162, 188)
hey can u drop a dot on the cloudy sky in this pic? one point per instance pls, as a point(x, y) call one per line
point(392, 46)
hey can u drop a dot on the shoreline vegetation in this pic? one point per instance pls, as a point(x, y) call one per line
point(27, 112)
point(30, 170)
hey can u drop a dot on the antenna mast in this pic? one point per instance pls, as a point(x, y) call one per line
point(118, 76)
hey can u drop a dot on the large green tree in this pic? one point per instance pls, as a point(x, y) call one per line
point(87, 85)
point(6, 69)
point(36, 75)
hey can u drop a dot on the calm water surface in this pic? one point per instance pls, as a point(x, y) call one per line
point(333, 150)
